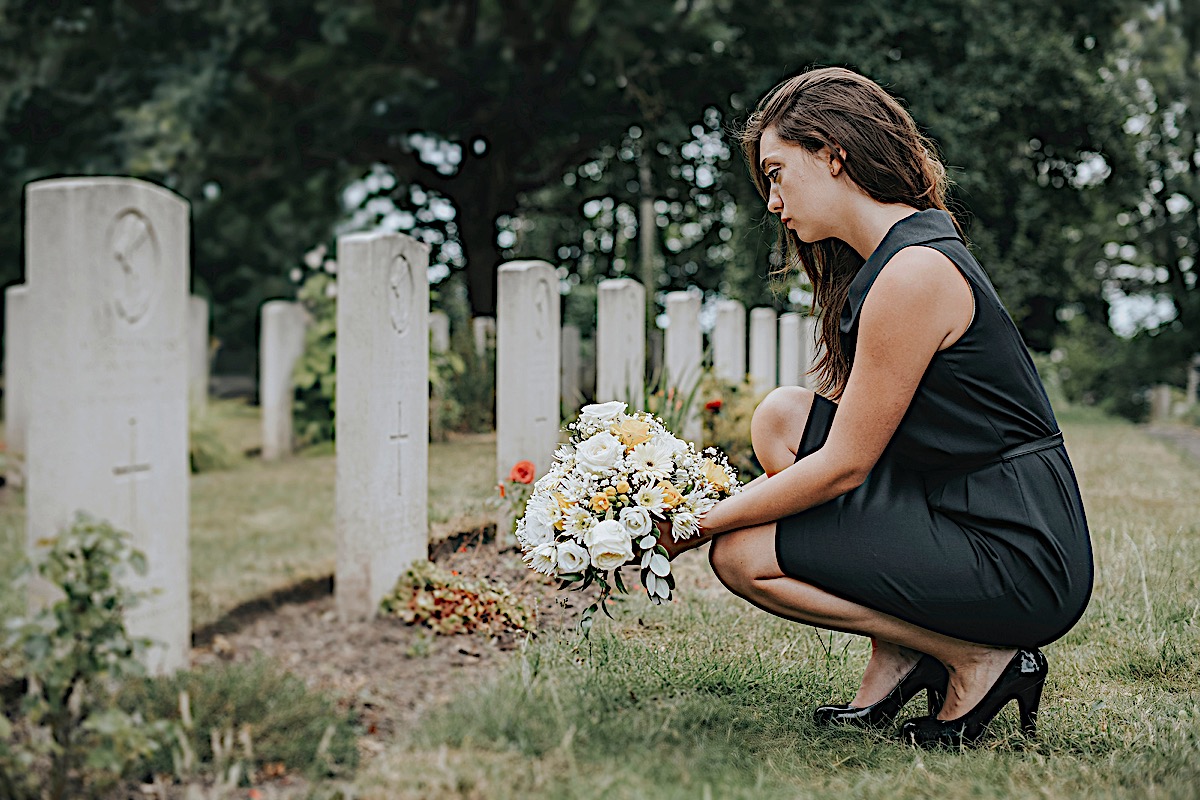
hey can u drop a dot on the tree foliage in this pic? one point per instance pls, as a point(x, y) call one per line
point(536, 128)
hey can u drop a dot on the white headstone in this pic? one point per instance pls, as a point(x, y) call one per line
point(527, 366)
point(198, 352)
point(439, 331)
point(1193, 381)
point(1160, 403)
point(484, 331)
point(382, 416)
point(621, 342)
point(729, 342)
point(793, 350)
point(107, 271)
point(572, 369)
point(812, 332)
point(762, 349)
point(16, 382)
point(681, 354)
point(283, 327)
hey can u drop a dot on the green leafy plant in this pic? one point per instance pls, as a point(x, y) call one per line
point(446, 603)
point(74, 651)
point(207, 451)
point(315, 374)
point(725, 414)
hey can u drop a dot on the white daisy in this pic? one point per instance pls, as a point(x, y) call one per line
point(651, 460)
point(650, 498)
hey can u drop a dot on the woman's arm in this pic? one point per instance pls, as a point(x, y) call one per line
point(919, 304)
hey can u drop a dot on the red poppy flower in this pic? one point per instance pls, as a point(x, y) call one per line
point(522, 472)
point(713, 405)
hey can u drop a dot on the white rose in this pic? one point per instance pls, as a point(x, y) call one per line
point(609, 545)
point(600, 452)
point(602, 412)
point(673, 446)
point(534, 532)
point(611, 554)
point(636, 520)
point(572, 557)
point(605, 529)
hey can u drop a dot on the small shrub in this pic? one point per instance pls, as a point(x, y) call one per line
point(68, 728)
point(445, 603)
point(252, 715)
point(207, 451)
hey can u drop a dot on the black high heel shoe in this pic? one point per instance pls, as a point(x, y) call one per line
point(1022, 680)
point(928, 674)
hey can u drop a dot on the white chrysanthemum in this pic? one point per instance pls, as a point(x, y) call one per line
point(699, 502)
point(650, 498)
point(572, 557)
point(543, 558)
point(684, 526)
point(578, 522)
point(636, 520)
point(544, 509)
point(651, 460)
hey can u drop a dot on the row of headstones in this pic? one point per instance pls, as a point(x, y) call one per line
point(780, 350)
point(104, 340)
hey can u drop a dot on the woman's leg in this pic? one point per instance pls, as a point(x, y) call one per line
point(745, 562)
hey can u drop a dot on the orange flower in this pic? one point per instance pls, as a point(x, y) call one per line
point(622, 487)
point(522, 472)
point(671, 495)
point(632, 432)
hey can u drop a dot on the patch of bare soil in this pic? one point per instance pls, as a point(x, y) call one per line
point(386, 672)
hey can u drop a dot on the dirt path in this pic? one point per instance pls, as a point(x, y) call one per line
point(1184, 438)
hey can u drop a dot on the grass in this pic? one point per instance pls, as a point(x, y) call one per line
point(273, 520)
point(709, 697)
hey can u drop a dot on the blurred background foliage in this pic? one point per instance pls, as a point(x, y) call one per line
point(596, 135)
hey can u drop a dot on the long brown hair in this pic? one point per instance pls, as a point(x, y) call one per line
point(884, 154)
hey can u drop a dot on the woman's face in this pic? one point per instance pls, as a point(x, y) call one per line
point(804, 189)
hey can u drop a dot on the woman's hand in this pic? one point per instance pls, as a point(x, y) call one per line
point(674, 548)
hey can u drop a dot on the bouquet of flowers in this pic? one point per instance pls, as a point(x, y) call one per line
point(597, 509)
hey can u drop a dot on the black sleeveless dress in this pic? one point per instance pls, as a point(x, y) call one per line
point(971, 523)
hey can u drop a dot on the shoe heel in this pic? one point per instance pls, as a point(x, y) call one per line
point(1027, 705)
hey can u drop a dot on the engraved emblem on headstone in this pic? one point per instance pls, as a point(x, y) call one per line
point(401, 290)
point(135, 272)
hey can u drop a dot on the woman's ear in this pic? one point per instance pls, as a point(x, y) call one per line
point(837, 158)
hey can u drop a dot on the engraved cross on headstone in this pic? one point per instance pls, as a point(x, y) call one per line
point(132, 471)
point(400, 438)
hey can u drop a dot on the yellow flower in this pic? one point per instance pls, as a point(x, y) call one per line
point(622, 487)
point(632, 432)
point(600, 502)
point(671, 495)
point(714, 474)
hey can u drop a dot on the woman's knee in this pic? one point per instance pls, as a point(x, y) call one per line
point(777, 425)
point(739, 558)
